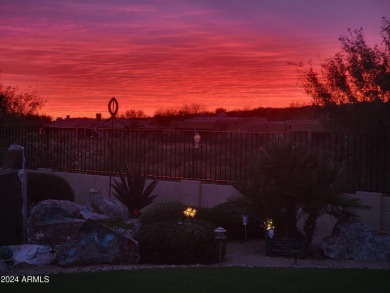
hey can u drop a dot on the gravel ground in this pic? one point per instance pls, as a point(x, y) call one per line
point(250, 254)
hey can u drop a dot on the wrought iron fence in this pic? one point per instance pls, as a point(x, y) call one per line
point(173, 154)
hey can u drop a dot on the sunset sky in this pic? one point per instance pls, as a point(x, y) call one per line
point(155, 54)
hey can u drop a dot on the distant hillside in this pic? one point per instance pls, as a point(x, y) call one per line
point(270, 114)
point(281, 114)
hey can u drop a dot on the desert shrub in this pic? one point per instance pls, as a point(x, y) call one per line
point(132, 190)
point(42, 186)
point(163, 211)
point(171, 243)
point(229, 216)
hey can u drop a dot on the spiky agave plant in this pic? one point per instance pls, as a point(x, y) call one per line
point(131, 190)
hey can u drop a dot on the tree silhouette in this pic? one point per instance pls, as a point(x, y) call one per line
point(354, 84)
point(18, 105)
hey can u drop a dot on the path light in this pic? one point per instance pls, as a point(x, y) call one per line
point(220, 233)
point(245, 220)
point(269, 228)
point(189, 212)
point(196, 140)
point(92, 191)
point(220, 236)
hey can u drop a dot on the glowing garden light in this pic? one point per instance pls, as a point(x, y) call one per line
point(196, 140)
point(269, 224)
point(189, 212)
point(269, 228)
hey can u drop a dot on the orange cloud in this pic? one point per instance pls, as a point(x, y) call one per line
point(150, 56)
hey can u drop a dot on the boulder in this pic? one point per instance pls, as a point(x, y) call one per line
point(111, 209)
point(54, 232)
point(53, 222)
point(48, 211)
point(352, 240)
point(95, 243)
point(32, 255)
point(86, 213)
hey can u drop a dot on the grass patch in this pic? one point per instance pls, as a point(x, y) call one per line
point(240, 280)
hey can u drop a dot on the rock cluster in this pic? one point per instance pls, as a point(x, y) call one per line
point(70, 234)
point(352, 240)
point(95, 243)
point(100, 207)
point(53, 222)
point(27, 255)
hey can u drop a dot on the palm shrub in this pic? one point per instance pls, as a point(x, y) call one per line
point(288, 182)
point(131, 190)
point(324, 193)
point(272, 189)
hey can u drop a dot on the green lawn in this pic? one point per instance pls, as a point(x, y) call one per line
point(203, 280)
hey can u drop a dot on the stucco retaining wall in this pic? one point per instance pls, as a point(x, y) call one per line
point(197, 193)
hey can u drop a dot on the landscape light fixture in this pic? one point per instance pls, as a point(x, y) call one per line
point(269, 228)
point(196, 140)
point(189, 212)
point(220, 233)
point(220, 236)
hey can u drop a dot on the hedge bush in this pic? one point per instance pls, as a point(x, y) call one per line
point(168, 242)
point(163, 211)
point(227, 215)
point(42, 186)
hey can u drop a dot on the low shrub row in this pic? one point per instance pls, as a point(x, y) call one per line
point(226, 215)
point(168, 242)
point(163, 239)
point(163, 211)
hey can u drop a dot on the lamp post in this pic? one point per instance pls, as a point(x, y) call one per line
point(220, 237)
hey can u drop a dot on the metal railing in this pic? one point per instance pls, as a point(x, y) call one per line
point(173, 154)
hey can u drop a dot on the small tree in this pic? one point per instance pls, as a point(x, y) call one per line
point(191, 109)
point(134, 113)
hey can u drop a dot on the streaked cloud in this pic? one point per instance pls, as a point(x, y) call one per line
point(154, 54)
